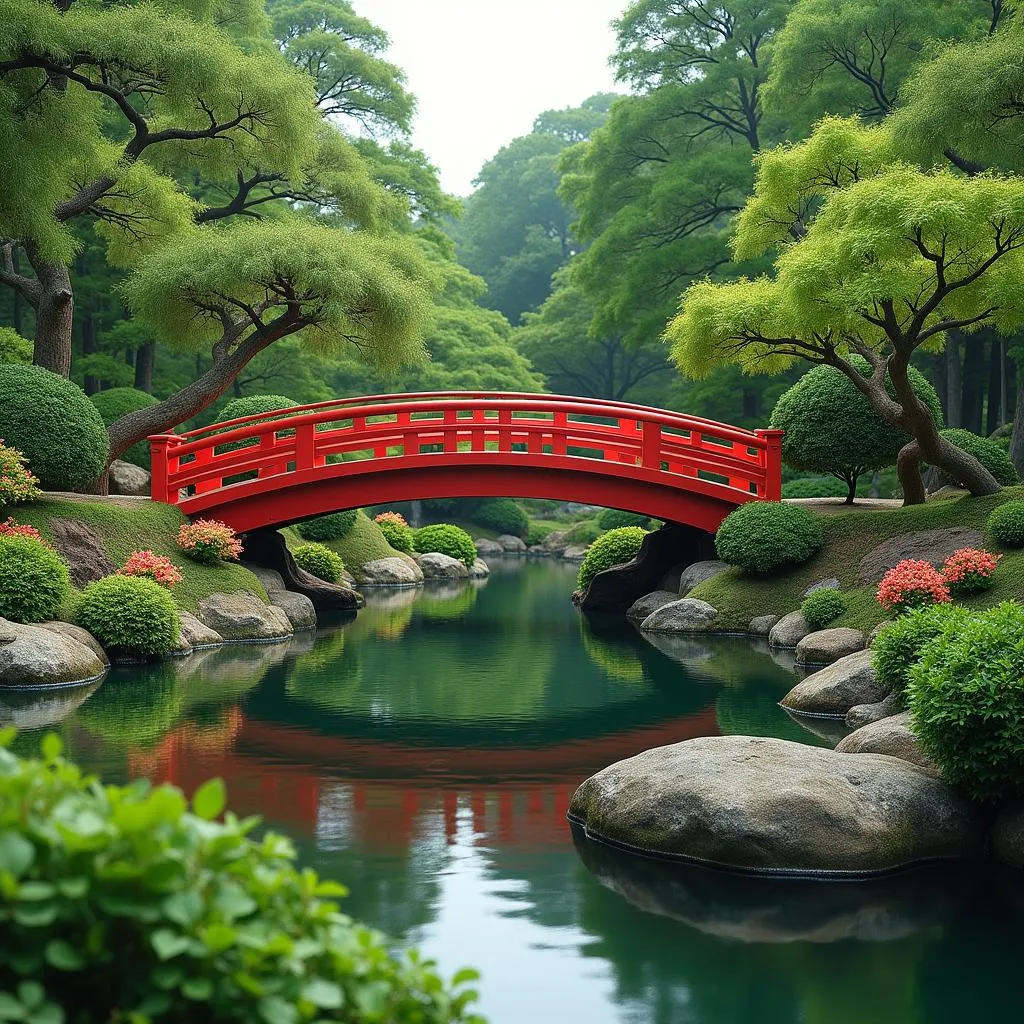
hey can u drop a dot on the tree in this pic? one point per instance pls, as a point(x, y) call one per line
point(873, 258)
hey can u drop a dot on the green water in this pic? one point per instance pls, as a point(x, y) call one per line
point(424, 754)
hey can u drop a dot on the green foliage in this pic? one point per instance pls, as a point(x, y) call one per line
point(899, 643)
point(215, 925)
point(814, 487)
point(329, 527)
point(52, 422)
point(831, 426)
point(130, 616)
point(34, 580)
point(585, 532)
point(613, 518)
point(991, 455)
point(764, 537)
point(613, 548)
point(966, 700)
point(447, 540)
point(502, 515)
point(1006, 524)
point(114, 403)
point(321, 561)
point(13, 347)
point(399, 536)
point(821, 607)
point(253, 405)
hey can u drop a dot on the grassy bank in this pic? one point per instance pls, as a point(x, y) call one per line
point(849, 536)
point(363, 543)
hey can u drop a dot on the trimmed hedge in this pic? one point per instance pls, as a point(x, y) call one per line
point(899, 643)
point(822, 607)
point(34, 581)
point(330, 527)
point(502, 515)
point(615, 519)
point(993, 457)
point(446, 540)
point(114, 403)
point(319, 560)
point(616, 547)
point(764, 537)
point(130, 616)
point(398, 536)
point(253, 405)
point(1006, 524)
point(54, 424)
point(13, 347)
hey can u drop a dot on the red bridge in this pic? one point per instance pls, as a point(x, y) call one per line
point(281, 467)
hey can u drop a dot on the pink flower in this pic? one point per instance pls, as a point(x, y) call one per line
point(12, 529)
point(17, 482)
point(911, 584)
point(207, 540)
point(155, 567)
point(969, 570)
point(391, 517)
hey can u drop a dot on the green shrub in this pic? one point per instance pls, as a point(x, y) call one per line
point(899, 643)
point(615, 519)
point(319, 560)
point(447, 540)
point(398, 535)
point(1006, 524)
point(831, 427)
point(613, 548)
point(253, 405)
point(502, 515)
point(537, 534)
point(52, 422)
point(994, 458)
point(330, 527)
point(585, 532)
point(764, 537)
point(114, 403)
point(34, 581)
point(814, 487)
point(130, 615)
point(966, 700)
point(123, 904)
point(13, 347)
point(821, 607)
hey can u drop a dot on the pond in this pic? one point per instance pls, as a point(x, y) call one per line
point(425, 753)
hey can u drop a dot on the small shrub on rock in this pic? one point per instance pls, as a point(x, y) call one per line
point(966, 700)
point(17, 482)
point(130, 615)
point(993, 457)
point(613, 519)
point(613, 548)
point(912, 584)
point(330, 527)
point(764, 537)
point(502, 515)
point(321, 561)
point(157, 568)
point(969, 571)
point(114, 403)
point(822, 607)
point(396, 530)
point(446, 540)
point(207, 540)
point(126, 903)
point(1006, 524)
point(34, 580)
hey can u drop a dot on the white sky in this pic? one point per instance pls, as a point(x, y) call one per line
point(482, 70)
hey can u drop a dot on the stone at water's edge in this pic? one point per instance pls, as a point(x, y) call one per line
point(772, 805)
point(644, 606)
point(1008, 836)
point(789, 630)
point(76, 633)
point(686, 616)
point(762, 625)
point(698, 573)
point(484, 546)
point(436, 566)
point(512, 545)
point(864, 714)
point(129, 480)
point(196, 634)
point(832, 691)
point(388, 572)
point(888, 736)
point(575, 552)
point(825, 646)
point(480, 570)
point(243, 616)
point(297, 607)
point(34, 656)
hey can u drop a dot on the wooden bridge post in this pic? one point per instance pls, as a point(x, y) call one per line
point(163, 464)
point(772, 463)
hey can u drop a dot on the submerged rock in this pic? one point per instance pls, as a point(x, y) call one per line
point(762, 625)
point(682, 616)
point(436, 566)
point(480, 570)
point(825, 646)
point(891, 736)
point(649, 603)
point(697, 573)
point(789, 630)
point(36, 656)
point(244, 616)
point(834, 690)
point(389, 572)
point(1008, 836)
point(772, 805)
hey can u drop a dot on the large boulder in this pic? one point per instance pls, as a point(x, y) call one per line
point(197, 635)
point(297, 607)
point(933, 546)
point(243, 616)
point(436, 566)
point(512, 545)
point(698, 573)
point(490, 548)
point(553, 543)
point(832, 691)
point(34, 656)
point(762, 625)
point(480, 570)
point(890, 736)
point(80, 546)
point(644, 606)
point(772, 805)
point(685, 616)
point(76, 633)
point(828, 645)
point(388, 572)
point(864, 714)
point(789, 630)
point(129, 480)
point(1008, 836)
point(575, 552)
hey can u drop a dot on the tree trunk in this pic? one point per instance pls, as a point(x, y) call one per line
point(1017, 437)
point(954, 381)
point(54, 318)
point(144, 359)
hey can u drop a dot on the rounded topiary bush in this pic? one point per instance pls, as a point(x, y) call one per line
point(34, 580)
point(446, 540)
point(821, 607)
point(54, 424)
point(141, 906)
point(763, 537)
point(1006, 524)
point(966, 700)
point(13, 347)
point(993, 457)
point(130, 616)
point(253, 405)
point(615, 519)
point(319, 560)
point(117, 402)
point(899, 643)
point(330, 527)
point(502, 515)
point(613, 548)
point(585, 532)
point(396, 530)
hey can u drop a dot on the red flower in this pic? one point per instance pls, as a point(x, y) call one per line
point(969, 570)
point(155, 567)
point(12, 529)
point(912, 584)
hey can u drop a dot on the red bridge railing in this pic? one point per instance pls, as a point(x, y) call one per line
point(270, 451)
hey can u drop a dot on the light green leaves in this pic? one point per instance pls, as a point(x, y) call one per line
point(210, 799)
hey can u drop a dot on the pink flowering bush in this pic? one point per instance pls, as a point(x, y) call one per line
point(10, 528)
point(912, 584)
point(17, 482)
point(396, 530)
point(207, 540)
point(390, 517)
point(158, 568)
point(969, 571)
